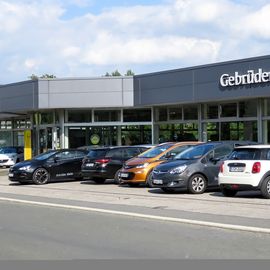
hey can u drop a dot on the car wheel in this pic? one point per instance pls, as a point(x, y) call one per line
point(168, 190)
point(197, 184)
point(41, 176)
point(99, 180)
point(228, 192)
point(265, 188)
point(148, 180)
point(117, 177)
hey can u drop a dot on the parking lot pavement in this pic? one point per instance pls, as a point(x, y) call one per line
point(248, 208)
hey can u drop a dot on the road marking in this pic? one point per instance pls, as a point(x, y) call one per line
point(138, 215)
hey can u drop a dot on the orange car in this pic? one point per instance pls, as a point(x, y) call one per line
point(138, 170)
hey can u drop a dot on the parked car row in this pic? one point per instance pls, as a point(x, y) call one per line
point(193, 166)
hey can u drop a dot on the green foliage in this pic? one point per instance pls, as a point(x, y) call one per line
point(44, 76)
point(129, 73)
point(117, 73)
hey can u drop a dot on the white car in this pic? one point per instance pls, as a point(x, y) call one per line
point(9, 155)
point(247, 168)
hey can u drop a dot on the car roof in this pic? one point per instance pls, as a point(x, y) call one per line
point(258, 146)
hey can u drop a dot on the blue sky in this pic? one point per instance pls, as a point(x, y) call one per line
point(82, 38)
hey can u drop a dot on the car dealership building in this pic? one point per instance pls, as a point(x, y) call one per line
point(222, 101)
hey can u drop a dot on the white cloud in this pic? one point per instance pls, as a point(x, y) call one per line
point(35, 39)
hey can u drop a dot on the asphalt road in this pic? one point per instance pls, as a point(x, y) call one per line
point(83, 220)
point(47, 233)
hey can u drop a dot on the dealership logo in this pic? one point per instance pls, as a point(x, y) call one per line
point(251, 77)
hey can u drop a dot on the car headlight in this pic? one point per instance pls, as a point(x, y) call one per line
point(25, 168)
point(141, 166)
point(178, 170)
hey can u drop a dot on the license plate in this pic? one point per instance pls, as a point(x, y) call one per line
point(236, 169)
point(89, 164)
point(157, 181)
point(124, 175)
point(11, 174)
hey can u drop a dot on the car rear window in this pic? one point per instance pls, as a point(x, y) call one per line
point(97, 153)
point(245, 154)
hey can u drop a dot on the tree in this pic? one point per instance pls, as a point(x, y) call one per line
point(44, 76)
point(129, 73)
point(116, 73)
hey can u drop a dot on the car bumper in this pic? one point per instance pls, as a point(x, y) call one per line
point(169, 181)
point(240, 180)
point(92, 174)
point(20, 176)
point(4, 163)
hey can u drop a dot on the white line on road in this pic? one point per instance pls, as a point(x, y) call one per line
point(138, 215)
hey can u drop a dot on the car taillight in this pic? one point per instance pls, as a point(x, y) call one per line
point(221, 168)
point(256, 168)
point(103, 160)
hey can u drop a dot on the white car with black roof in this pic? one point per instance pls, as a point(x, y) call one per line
point(247, 168)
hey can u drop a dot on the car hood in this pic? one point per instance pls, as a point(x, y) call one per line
point(138, 160)
point(31, 162)
point(168, 165)
point(8, 155)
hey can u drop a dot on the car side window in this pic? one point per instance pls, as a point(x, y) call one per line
point(222, 152)
point(175, 151)
point(65, 155)
point(131, 152)
point(80, 154)
point(268, 155)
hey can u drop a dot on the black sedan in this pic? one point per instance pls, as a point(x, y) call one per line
point(194, 169)
point(52, 165)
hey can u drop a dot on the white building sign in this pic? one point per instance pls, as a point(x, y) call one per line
point(251, 77)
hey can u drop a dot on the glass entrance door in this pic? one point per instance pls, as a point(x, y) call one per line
point(45, 139)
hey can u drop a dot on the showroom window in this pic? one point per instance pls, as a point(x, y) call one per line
point(228, 110)
point(107, 116)
point(248, 108)
point(79, 116)
point(175, 113)
point(210, 111)
point(191, 112)
point(139, 115)
point(161, 114)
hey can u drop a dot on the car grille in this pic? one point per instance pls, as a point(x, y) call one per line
point(3, 160)
point(159, 172)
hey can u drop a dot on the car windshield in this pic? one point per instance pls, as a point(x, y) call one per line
point(44, 156)
point(7, 150)
point(195, 152)
point(245, 154)
point(155, 151)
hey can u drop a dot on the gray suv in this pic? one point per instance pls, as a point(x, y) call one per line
point(195, 169)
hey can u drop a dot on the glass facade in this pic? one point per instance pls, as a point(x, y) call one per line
point(234, 120)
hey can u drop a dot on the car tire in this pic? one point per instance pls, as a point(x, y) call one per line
point(265, 188)
point(117, 178)
point(197, 184)
point(148, 180)
point(99, 180)
point(41, 176)
point(228, 192)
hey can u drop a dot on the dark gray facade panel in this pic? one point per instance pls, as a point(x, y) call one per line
point(199, 84)
point(19, 97)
